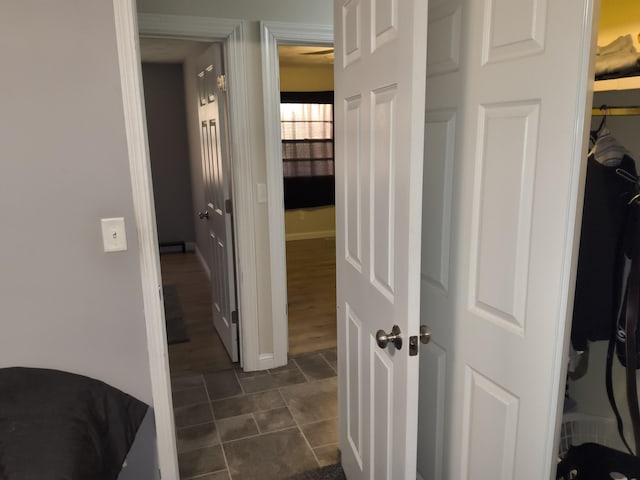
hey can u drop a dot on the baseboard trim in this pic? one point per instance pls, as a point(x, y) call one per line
point(190, 246)
point(310, 235)
point(265, 362)
point(203, 262)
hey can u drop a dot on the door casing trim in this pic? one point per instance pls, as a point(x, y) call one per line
point(231, 33)
point(272, 34)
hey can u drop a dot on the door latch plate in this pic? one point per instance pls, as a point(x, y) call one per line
point(413, 346)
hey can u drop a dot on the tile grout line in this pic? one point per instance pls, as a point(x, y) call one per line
point(224, 455)
point(308, 444)
point(326, 445)
point(235, 374)
point(260, 434)
point(248, 413)
point(327, 362)
point(300, 429)
point(204, 475)
point(308, 380)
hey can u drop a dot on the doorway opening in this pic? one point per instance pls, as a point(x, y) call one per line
point(306, 121)
point(612, 163)
point(229, 423)
point(178, 191)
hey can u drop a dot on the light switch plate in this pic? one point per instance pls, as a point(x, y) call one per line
point(114, 237)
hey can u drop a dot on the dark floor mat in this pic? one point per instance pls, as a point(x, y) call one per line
point(174, 318)
point(330, 472)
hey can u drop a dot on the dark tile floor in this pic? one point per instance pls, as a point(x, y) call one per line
point(258, 425)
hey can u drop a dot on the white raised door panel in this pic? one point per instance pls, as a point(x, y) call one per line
point(505, 99)
point(379, 113)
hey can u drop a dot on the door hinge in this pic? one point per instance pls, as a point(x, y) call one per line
point(222, 83)
point(228, 205)
point(234, 316)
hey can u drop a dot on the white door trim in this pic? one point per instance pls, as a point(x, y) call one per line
point(231, 33)
point(273, 33)
point(576, 187)
point(138, 150)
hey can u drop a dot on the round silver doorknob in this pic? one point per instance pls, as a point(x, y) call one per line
point(383, 338)
point(425, 334)
point(203, 215)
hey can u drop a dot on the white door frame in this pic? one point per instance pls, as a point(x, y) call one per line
point(272, 34)
point(231, 33)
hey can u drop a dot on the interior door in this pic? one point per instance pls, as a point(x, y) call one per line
point(217, 210)
point(506, 91)
point(379, 116)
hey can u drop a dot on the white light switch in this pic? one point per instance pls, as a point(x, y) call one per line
point(114, 237)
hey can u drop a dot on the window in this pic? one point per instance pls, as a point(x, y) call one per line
point(307, 149)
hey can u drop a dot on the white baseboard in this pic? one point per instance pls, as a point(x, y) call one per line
point(266, 361)
point(310, 235)
point(203, 262)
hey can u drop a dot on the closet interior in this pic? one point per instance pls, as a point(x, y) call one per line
point(601, 305)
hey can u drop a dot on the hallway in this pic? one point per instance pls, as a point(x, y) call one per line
point(250, 425)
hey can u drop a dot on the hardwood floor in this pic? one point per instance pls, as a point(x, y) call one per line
point(311, 289)
point(204, 351)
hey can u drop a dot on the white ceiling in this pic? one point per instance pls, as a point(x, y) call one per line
point(165, 50)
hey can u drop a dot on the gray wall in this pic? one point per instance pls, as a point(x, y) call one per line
point(167, 131)
point(63, 165)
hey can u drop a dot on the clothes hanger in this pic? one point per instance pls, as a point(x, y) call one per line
point(628, 176)
point(594, 133)
point(633, 179)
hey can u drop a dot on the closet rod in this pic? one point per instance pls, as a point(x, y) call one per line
point(615, 111)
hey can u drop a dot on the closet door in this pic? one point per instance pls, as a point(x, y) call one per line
point(506, 90)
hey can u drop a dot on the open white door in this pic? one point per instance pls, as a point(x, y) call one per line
point(506, 93)
point(217, 211)
point(379, 116)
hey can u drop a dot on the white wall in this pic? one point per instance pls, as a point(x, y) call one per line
point(318, 12)
point(66, 304)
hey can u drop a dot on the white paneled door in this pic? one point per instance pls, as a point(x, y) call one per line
point(217, 209)
point(506, 86)
point(379, 111)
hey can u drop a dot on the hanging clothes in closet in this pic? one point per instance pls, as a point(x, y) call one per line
point(607, 299)
point(604, 224)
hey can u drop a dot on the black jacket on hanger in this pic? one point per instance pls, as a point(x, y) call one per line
point(601, 257)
